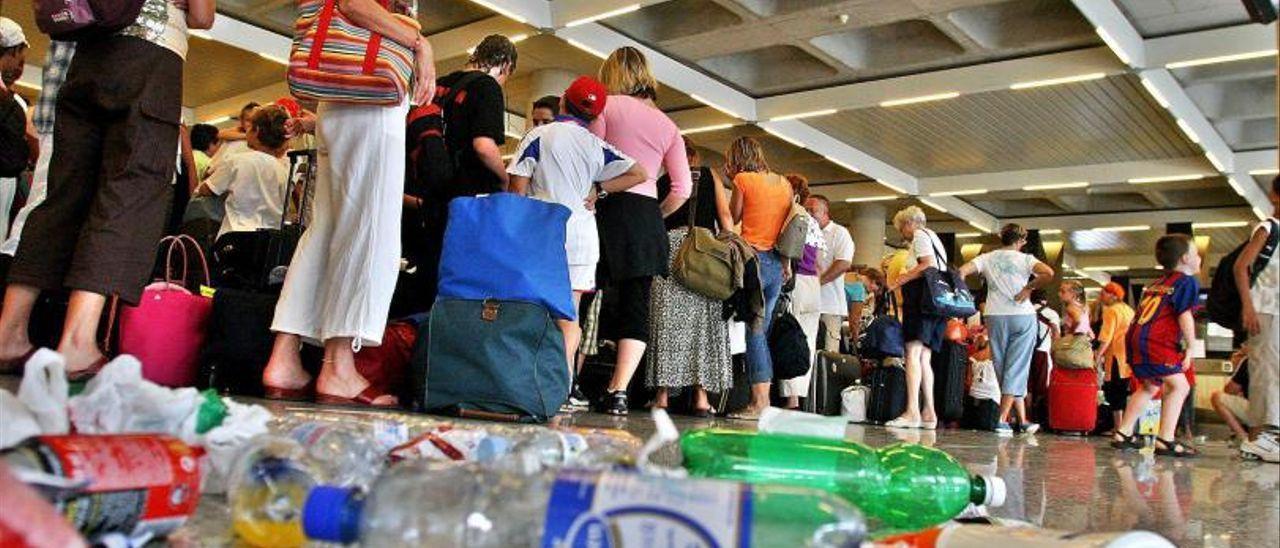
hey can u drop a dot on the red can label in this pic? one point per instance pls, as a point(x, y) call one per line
point(138, 483)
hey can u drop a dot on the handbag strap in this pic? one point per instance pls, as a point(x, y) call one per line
point(693, 203)
point(937, 253)
point(174, 242)
point(322, 35)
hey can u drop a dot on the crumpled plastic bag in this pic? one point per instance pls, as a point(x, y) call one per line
point(41, 404)
point(118, 399)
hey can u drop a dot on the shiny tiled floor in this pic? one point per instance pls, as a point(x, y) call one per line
point(1068, 483)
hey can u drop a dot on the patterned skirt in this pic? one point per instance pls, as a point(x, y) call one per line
point(689, 339)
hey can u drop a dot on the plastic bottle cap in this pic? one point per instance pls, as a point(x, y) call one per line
point(492, 448)
point(332, 514)
point(996, 491)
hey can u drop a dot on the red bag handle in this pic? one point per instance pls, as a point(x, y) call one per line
point(322, 35)
point(181, 242)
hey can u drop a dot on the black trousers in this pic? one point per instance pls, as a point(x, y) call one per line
point(115, 143)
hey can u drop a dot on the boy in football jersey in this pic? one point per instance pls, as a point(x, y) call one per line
point(1158, 342)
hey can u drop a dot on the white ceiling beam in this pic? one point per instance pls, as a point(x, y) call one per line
point(1256, 160)
point(1156, 219)
point(840, 153)
point(1095, 174)
point(564, 12)
point(1241, 39)
point(1115, 30)
point(964, 80)
point(1069, 268)
point(537, 13)
point(248, 37)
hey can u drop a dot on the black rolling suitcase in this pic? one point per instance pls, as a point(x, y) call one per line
point(832, 373)
point(888, 394)
point(258, 260)
point(949, 369)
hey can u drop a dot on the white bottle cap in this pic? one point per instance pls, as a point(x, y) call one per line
point(996, 491)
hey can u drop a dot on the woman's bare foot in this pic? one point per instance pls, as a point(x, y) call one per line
point(81, 358)
point(660, 399)
point(284, 368)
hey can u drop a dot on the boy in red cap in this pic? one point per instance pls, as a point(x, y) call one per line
point(563, 163)
point(1112, 357)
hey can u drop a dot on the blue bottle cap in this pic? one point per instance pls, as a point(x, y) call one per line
point(492, 448)
point(332, 514)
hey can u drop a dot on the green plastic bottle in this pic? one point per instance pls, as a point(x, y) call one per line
point(899, 487)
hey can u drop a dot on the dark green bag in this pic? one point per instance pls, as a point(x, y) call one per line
point(491, 359)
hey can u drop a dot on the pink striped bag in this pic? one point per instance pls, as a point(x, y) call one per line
point(335, 60)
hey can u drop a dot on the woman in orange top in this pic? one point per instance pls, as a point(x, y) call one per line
point(1111, 356)
point(761, 201)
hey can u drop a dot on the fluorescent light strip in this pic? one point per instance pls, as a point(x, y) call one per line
point(1222, 224)
point(799, 115)
point(584, 47)
point(517, 38)
point(705, 129)
point(1155, 92)
point(1116, 268)
point(1186, 128)
point(939, 208)
point(1235, 185)
point(218, 120)
point(789, 140)
point(843, 164)
point(1217, 164)
point(984, 229)
point(1166, 179)
point(605, 15)
point(1111, 43)
point(969, 235)
point(713, 105)
point(501, 11)
point(1269, 171)
point(1057, 186)
point(1050, 231)
point(892, 186)
point(871, 199)
point(1221, 59)
point(973, 192)
point(920, 99)
point(1132, 228)
point(1057, 81)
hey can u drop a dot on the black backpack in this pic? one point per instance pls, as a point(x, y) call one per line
point(1224, 306)
point(788, 347)
point(431, 165)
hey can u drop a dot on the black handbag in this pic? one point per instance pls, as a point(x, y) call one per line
point(945, 294)
point(788, 345)
point(883, 336)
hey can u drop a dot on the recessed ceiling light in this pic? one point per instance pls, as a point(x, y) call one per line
point(920, 99)
point(799, 115)
point(1131, 228)
point(871, 199)
point(933, 205)
point(1221, 59)
point(517, 38)
point(1116, 268)
point(1057, 186)
point(972, 192)
point(705, 129)
point(1268, 171)
point(1221, 224)
point(969, 235)
point(1166, 179)
point(605, 15)
point(1057, 81)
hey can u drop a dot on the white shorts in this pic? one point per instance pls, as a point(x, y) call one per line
point(1237, 405)
point(582, 277)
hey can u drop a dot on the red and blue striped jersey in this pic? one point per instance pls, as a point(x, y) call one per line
point(1155, 338)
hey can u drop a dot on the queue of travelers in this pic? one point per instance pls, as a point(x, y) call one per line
point(635, 189)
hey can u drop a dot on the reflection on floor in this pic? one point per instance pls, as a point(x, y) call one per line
point(1069, 483)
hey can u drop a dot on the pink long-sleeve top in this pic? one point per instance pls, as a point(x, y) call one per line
point(650, 138)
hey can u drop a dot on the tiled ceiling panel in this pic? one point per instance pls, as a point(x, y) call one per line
point(1163, 17)
point(1109, 198)
point(746, 43)
point(1109, 243)
point(1238, 98)
point(1097, 122)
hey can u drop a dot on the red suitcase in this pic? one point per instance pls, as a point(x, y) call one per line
point(1073, 400)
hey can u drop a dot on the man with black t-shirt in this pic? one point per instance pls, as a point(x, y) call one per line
point(475, 127)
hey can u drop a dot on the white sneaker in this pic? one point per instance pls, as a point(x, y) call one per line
point(1265, 447)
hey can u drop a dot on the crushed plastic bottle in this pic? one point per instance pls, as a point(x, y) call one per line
point(904, 487)
point(486, 507)
point(343, 455)
point(267, 488)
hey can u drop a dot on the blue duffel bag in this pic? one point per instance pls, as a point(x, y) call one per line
point(492, 359)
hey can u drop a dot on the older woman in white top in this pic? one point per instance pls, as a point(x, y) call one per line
point(922, 333)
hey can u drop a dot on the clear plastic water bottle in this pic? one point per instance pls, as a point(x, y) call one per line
point(267, 487)
point(533, 450)
point(343, 455)
point(486, 507)
point(899, 487)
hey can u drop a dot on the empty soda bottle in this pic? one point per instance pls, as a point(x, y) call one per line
point(267, 487)
point(490, 507)
point(903, 487)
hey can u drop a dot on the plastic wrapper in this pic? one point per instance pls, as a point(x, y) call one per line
point(40, 407)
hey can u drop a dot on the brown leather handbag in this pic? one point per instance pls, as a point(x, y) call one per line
point(703, 264)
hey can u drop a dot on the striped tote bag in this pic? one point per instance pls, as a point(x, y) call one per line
point(335, 60)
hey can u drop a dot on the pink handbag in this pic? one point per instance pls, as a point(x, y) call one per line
point(167, 328)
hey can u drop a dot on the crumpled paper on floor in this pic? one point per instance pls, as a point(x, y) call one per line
point(41, 404)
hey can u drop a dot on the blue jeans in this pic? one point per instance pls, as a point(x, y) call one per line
point(759, 363)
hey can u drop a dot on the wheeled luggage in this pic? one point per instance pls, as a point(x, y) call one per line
point(832, 374)
point(1073, 400)
point(950, 366)
point(888, 394)
point(259, 260)
point(239, 340)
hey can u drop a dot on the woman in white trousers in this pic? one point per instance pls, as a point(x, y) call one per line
point(338, 289)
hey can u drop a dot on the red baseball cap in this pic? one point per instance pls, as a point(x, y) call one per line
point(290, 105)
point(1115, 289)
point(587, 95)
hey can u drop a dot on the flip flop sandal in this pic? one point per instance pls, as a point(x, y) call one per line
point(1175, 449)
point(365, 398)
point(87, 373)
point(16, 365)
point(1125, 443)
point(304, 394)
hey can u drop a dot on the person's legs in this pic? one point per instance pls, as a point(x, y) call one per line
point(572, 335)
point(1264, 375)
point(927, 412)
point(1018, 351)
point(284, 367)
point(338, 375)
point(79, 344)
point(793, 389)
point(15, 337)
point(1219, 400)
point(1137, 404)
point(998, 334)
point(1176, 388)
point(633, 298)
point(913, 351)
point(1020, 410)
point(700, 401)
point(759, 361)
point(831, 325)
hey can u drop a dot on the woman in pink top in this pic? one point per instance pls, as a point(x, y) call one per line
point(633, 238)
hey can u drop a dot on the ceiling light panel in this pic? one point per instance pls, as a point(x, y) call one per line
point(1166, 179)
point(1059, 81)
point(972, 192)
point(1221, 59)
point(611, 13)
point(920, 99)
point(1057, 186)
point(799, 115)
